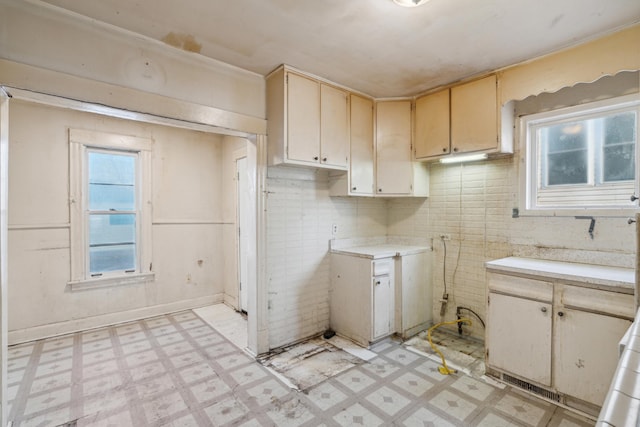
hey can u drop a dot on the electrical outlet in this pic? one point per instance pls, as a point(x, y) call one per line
point(334, 229)
point(445, 237)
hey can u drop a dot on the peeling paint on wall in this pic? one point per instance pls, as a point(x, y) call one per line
point(182, 41)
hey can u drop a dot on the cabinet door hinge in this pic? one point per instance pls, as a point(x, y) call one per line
point(488, 300)
point(486, 355)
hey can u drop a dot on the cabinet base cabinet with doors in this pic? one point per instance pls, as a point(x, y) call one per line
point(556, 336)
point(307, 121)
point(362, 298)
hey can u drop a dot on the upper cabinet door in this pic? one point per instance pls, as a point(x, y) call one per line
point(432, 125)
point(303, 119)
point(474, 116)
point(334, 126)
point(361, 170)
point(394, 173)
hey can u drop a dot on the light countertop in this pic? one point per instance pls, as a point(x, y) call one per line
point(377, 248)
point(597, 276)
point(381, 251)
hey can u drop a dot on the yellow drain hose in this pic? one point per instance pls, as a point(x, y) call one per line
point(444, 369)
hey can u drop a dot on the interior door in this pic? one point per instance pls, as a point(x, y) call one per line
point(243, 235)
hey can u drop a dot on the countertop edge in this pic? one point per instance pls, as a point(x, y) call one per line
point(622, 286)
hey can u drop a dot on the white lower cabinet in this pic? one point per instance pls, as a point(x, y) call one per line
point(558, 336)
point(362, 297)
point(382, 311)
point(520, 337)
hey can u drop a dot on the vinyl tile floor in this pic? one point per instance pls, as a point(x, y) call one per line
point(177, 370)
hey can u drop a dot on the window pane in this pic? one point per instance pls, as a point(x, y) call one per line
point(619, 151)
point(104, 197)
point(111, 168)
point(567, 137)
point(112, 240)
point(111, 181)
point(567, 168)
point(620, 128)
point(619, 163)
point(103, 259)
point(566, 154)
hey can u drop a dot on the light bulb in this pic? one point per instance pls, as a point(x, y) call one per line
point(409, 3)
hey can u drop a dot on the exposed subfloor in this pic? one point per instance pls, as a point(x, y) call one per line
point(176, 370)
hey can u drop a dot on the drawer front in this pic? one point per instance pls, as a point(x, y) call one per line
point(598, 301)
point(382, 267)
point(538, 290)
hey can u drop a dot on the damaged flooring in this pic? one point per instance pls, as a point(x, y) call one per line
point(176, 370)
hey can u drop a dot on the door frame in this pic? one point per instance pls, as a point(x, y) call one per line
point(258, 327)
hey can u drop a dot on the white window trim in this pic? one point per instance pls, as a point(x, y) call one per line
point(79, 141)
point(528, 163)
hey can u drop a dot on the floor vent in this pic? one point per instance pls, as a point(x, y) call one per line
point(555, 397)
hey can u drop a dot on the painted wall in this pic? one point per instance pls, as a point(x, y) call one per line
point(299, 227)
point(47, 37)
point(188, 222)
point(473, 204)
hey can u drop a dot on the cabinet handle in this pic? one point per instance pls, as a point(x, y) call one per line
point(455, 150)
point(543, 309)
point(633, 198)
point(378, 282)
point(444, 149)
point(353, 188)
point(315, 158)
point(560, 313)
point(324, 159)
point(379, 190)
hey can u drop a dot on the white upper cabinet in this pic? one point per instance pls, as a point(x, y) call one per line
point(474, 116)
point(361, 169)
point(381, 167)
point(303, 119)
point(462, 119)
point(394, 173)
point(334, 126)
point(307, 121)
point(432, 135)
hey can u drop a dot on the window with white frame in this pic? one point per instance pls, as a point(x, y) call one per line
point(109, 198)
point(112, 212)
point(582, 157)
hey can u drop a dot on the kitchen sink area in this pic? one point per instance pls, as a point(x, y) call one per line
point(553, 327)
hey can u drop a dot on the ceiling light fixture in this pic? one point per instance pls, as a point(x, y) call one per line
point(409, 3)
point(464, 158)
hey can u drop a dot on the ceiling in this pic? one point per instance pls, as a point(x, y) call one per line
point(373, 46)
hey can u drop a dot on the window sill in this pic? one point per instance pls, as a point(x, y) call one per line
point(107, 282)
point(573, 212)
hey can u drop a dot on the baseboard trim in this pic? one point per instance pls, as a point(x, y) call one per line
point(67, 327)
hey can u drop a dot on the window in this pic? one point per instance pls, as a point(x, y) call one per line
point(110, 219)
point(112, 212)
point(582, 157)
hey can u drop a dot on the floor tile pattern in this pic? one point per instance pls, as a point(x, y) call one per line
point(176, 370)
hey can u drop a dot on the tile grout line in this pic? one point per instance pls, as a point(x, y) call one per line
point(138, 417)
point(76, 409)
point(22, 396)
